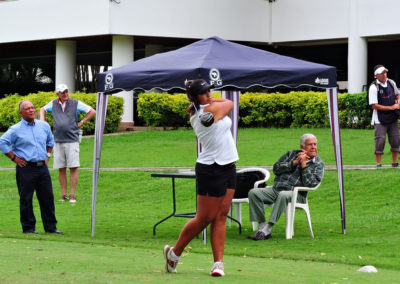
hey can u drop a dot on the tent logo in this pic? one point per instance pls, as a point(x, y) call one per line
point(215, 77)
point(322, 81)
point(109, 82)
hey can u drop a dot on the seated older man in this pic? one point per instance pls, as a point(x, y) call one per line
point(296, 168)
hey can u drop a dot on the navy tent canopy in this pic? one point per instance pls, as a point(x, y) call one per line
point(227, 64)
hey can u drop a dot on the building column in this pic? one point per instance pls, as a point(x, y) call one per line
point(151, 49)
point(66, 63)
point(122, 53)
point(357, 52)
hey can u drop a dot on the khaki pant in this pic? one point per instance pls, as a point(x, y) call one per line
point(66, 155)
point(260, 196)
point(392, 131)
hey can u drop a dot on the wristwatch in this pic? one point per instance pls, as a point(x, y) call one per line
point(48, 155)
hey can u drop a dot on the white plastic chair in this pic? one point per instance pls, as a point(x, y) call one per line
point(237, 202)
point(290, 211)
point(291, 208)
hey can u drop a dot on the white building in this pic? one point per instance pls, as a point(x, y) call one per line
point(353, 35)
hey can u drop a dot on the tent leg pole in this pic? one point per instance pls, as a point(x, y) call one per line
point(101, 111)
point(335, 129)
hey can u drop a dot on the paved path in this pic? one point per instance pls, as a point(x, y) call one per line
point(159, 169)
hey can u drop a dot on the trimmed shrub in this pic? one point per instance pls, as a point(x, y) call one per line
point(162, 109)
point(264, 110)
point(354, 111)
point(9, 113)
point(294, 109)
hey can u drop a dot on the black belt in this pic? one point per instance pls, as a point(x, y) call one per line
point(36, 164)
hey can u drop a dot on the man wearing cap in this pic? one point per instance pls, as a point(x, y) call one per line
point(65, 111)
point(384, 99)
point(28, 144)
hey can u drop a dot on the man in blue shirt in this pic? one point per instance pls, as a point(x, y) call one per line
point(29, 144)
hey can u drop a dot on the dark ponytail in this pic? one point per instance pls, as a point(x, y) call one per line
point(191, 97)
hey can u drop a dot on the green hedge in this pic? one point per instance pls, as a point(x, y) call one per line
point(161, 109)
point(354, 111)
point(294, 109)
point(9, 113)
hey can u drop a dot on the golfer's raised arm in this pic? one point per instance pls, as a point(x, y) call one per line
point(219, 108)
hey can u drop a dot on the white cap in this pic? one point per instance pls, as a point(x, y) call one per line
point(61, 88)
point(380, 70)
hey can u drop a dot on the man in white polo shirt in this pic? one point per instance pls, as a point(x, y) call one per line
point(384, 100)
point(65, 111)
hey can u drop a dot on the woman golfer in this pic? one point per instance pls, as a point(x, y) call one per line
point(215, 173)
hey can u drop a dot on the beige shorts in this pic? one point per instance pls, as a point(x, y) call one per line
point(66, 155)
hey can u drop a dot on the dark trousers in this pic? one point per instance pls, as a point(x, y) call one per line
point(29, 179)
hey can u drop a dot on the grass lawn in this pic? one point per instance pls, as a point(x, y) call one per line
point(256, 146)
point(56, 262)
point(124, 249)
point(129, 203)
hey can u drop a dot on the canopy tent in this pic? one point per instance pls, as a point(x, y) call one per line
point(227, 64)
point(230, 67)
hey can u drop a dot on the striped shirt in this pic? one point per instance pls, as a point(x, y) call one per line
point(287, 176)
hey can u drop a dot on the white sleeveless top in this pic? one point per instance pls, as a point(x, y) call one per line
point(217, 144)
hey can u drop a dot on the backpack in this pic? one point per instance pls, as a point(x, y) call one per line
point(389, 118)
point(245, 182)
point(369, 107)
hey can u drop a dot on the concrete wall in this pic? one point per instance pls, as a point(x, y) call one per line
point(326, 19)
point(309, 20)
point(371, 24)
point(54, 19)
point(245, 20)
point(228, 19)
point(26, 20)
